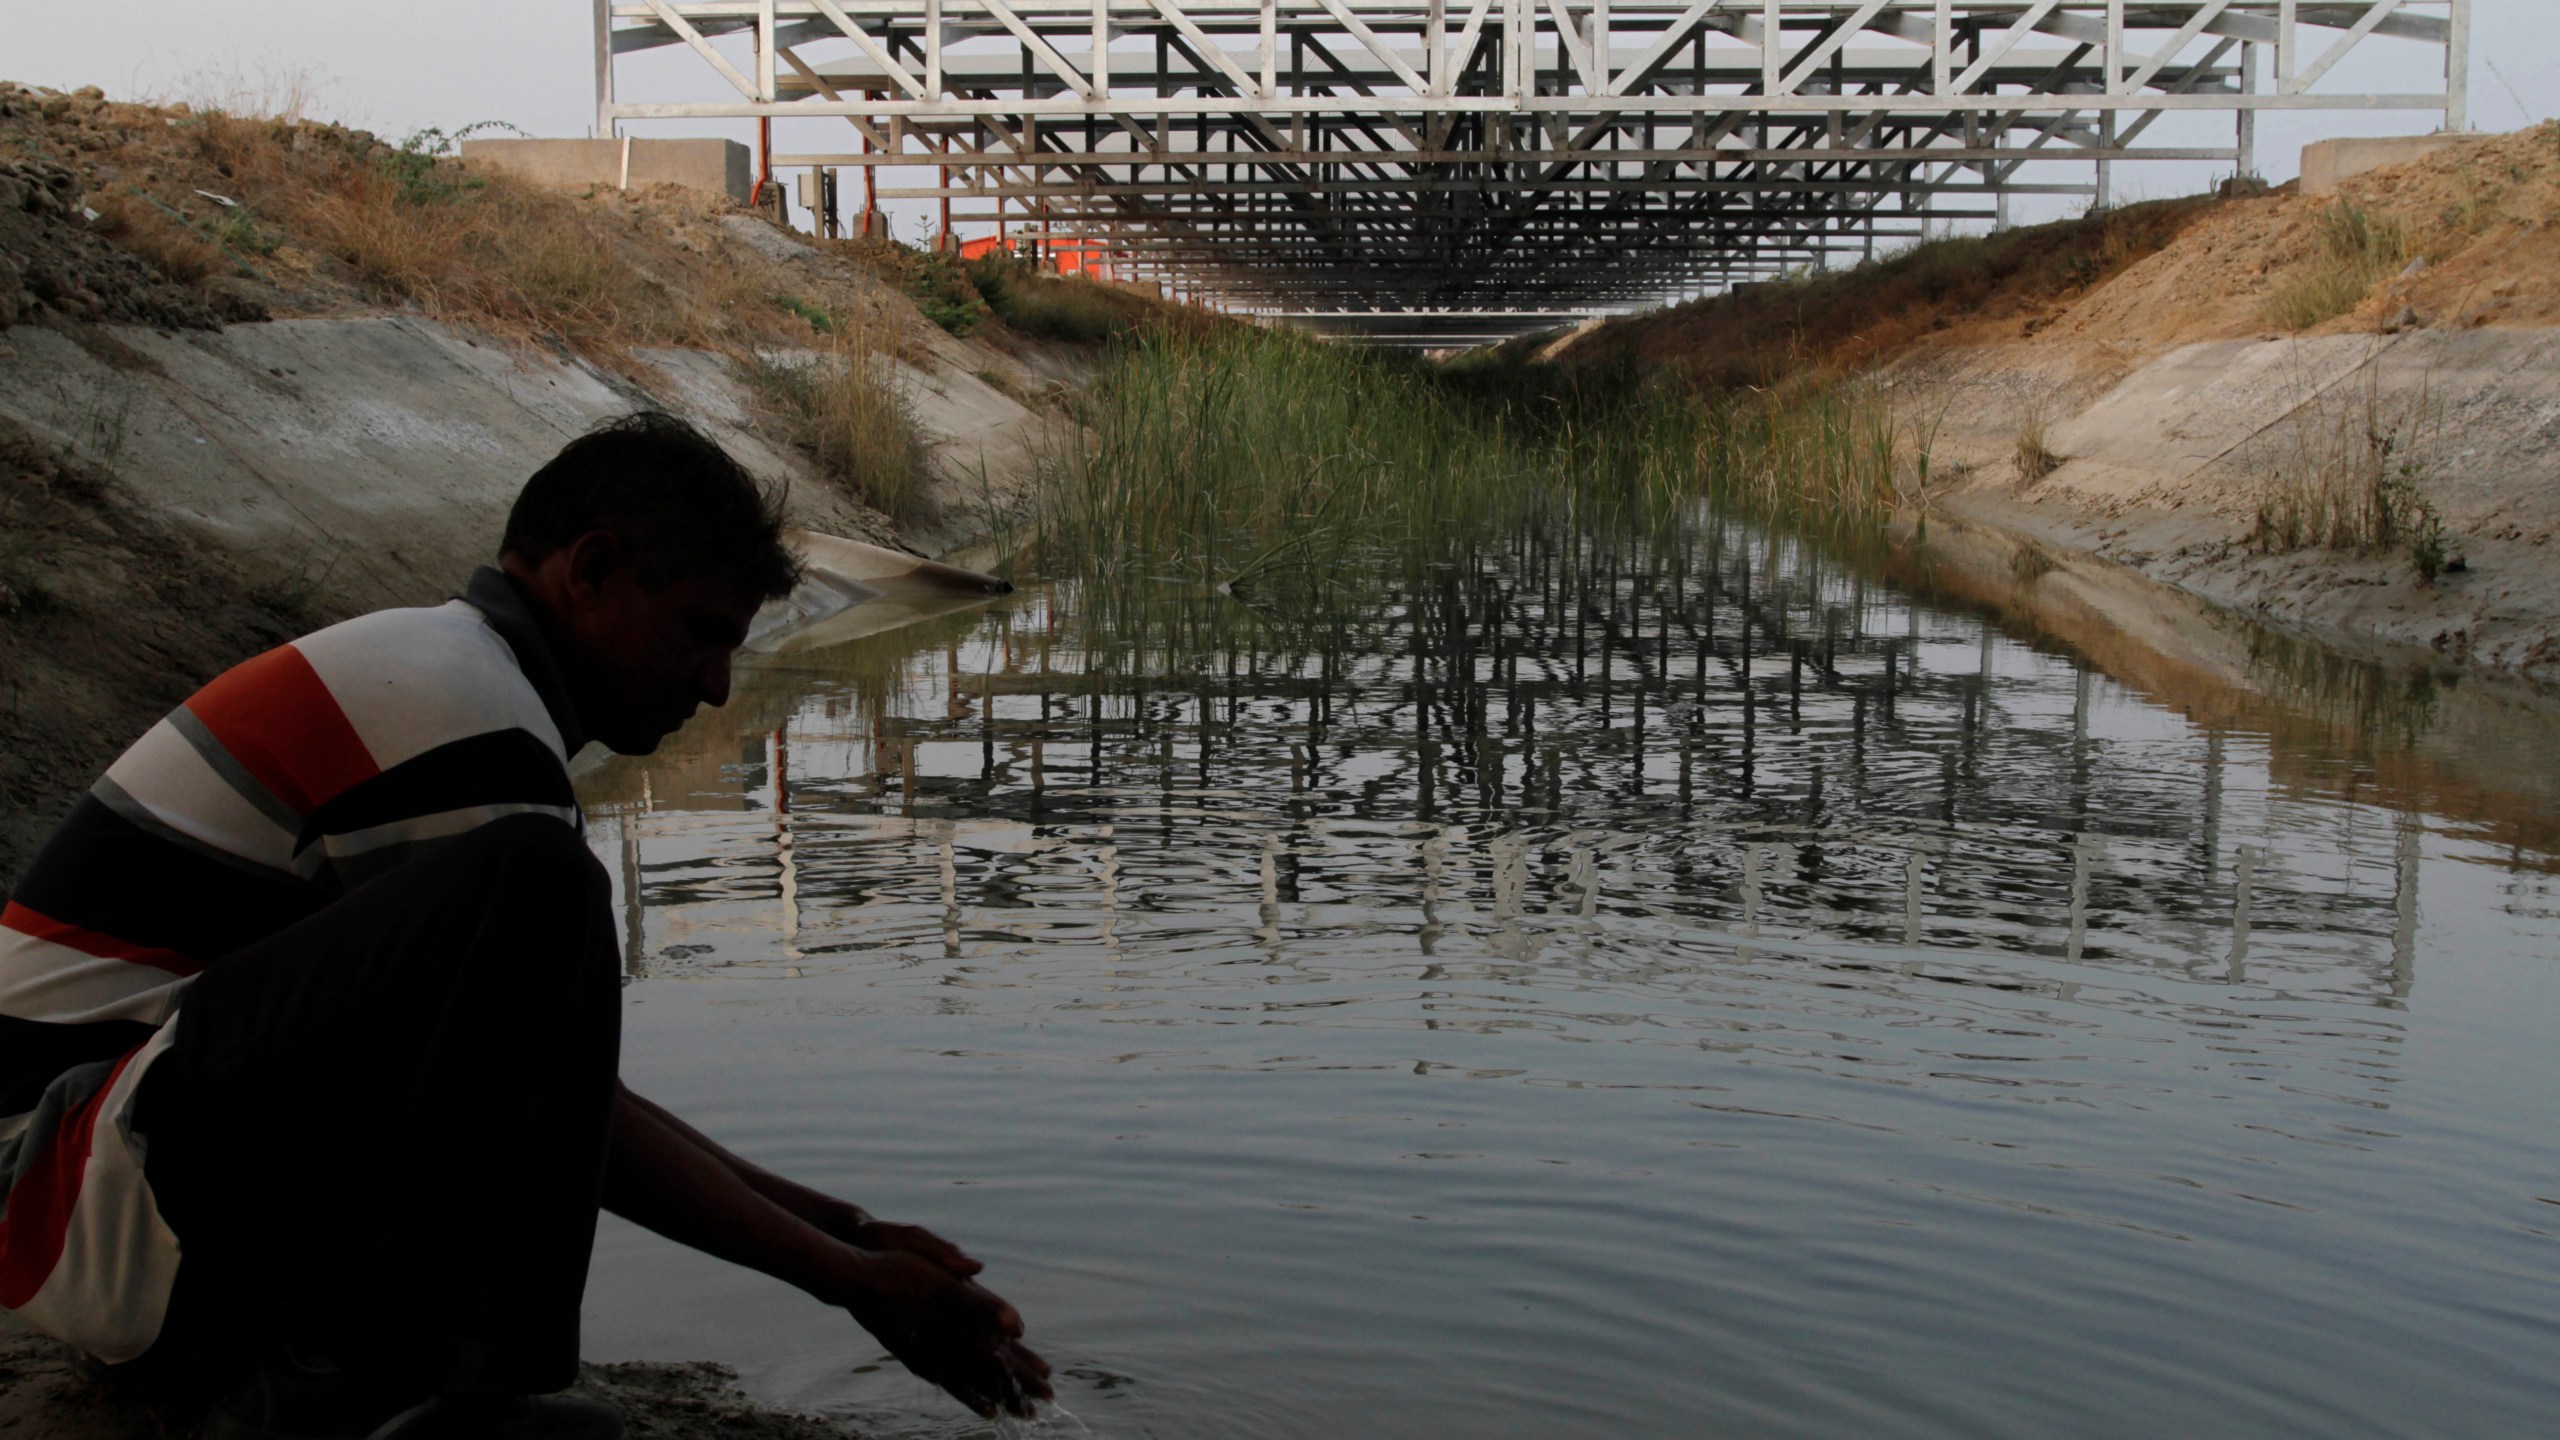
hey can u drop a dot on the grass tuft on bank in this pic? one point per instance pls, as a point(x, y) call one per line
point(2351, 475)
point(847, 408)
point(2353, 250)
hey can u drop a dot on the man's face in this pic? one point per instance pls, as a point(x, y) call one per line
point(640, 660)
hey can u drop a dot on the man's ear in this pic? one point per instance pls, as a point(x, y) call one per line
point(594, 558)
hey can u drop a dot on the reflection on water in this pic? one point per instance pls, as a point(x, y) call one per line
point(1667, 987)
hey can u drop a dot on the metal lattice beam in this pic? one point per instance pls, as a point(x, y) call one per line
point(1427, 169)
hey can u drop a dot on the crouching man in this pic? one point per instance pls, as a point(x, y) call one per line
point(310, 1012)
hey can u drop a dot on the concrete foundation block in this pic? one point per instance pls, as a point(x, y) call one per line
point(720, 167)
point(2328, 163)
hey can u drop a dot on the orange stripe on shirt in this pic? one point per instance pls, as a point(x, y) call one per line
point(38, 925)
point(47, 1193)
point(277, 718)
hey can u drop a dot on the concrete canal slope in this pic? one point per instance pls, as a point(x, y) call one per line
point(2168, 470)
point(2151, 385)
point(181, 499)
point(367, 462)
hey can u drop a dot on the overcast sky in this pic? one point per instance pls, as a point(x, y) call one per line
point(397, 68)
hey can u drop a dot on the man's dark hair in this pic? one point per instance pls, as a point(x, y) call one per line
point(678, 503)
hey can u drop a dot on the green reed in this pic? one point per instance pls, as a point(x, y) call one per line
point(1268, 466)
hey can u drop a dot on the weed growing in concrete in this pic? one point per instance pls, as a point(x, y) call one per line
point(2350, 474)
point(2429, 550)
point(2353, 250)
point(2036, 458)
point(98, 423)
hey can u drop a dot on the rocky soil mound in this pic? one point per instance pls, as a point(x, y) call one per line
point(52, 262)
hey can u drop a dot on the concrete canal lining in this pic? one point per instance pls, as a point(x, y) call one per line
point(369, 462)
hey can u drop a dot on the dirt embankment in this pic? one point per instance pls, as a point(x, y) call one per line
point(2340, 413)
point(260, 374)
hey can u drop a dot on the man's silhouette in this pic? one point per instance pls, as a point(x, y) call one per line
point(310, 1011)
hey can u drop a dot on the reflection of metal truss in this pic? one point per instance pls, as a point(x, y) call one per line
point(1473, 166)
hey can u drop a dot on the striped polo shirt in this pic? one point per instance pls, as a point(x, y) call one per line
point(285, 783)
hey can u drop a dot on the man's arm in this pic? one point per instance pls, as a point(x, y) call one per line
point(842, 1219)
point(915, 1298)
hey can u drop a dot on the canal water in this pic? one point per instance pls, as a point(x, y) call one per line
point(1654, 987)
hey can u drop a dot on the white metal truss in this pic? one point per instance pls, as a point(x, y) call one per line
point(1445, 169)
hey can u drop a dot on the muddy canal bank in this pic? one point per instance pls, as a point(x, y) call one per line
point(42, 1393)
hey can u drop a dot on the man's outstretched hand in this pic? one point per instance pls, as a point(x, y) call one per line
point(908, 1286)
point(857, 1227)
point(947, 1328)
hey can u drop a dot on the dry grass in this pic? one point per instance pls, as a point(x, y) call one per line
point(2036, 457)
point(1840, 322)
point(136, 224)
point(848, 409)
point(2354, 249)
point(489, 250)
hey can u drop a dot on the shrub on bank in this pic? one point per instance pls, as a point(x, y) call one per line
point(1070, 308)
